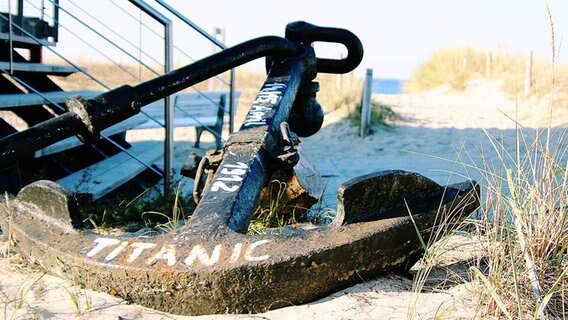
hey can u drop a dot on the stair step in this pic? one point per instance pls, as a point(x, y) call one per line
point(72, 142)
point(52, 69)
point(105, 176)
point(14, 100)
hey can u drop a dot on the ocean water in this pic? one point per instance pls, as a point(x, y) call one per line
point(387, 86)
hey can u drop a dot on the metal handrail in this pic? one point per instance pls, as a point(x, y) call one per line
point(182, 52)
point(31, 36)
point(168, 102)
point(117, 34)
point(168, 65)
point(191, 24)
point(10, 36)
point(154, 14)
point(38, 41)
point(105, 38)
point(218, 44)
point(61, 108)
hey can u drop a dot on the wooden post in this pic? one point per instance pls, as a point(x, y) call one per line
point(366, 103)
point(528, 73)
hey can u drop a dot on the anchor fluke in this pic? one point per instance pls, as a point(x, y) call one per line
point(390, 194)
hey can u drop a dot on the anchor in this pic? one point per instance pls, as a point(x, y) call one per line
point(210, 265)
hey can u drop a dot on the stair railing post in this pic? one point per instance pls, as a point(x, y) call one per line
point(10, 36)
point(168, 111)
point(232, 102)
point(213, 40)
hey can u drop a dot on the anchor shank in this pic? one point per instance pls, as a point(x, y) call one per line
point(229, 200)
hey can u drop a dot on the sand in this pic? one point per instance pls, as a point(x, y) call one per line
point(440, 134)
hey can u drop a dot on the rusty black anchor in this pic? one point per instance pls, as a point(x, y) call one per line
point(210, 265)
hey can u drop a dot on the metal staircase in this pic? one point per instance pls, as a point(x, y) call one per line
point(34, 75)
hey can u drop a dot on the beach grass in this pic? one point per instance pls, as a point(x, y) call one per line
point(456, 66)
point(522, 225)
point(525, 219)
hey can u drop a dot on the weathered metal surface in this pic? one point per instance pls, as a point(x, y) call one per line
point(206, 267)
point(52, 200)
point(295, 189)
point(210, 265)
point(307, 114)
point(387, 194)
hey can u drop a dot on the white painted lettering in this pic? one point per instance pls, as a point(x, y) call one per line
point(233, 171)
point(239, 164)
point(139, 247)
point(273, 87)
point(116, 251)
point(270, 98)
point(236, 253)
point(256, 123)
point(269, 95)
point(249, 252)
point(219, 185)
point(198, 252)
point(168, 253)
point(231, 178)
point(229, 172)
point(101, 244)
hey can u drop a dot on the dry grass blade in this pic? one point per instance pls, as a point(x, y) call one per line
point(526, 219)
point(492, 291)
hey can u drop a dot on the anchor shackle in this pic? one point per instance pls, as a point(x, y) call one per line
point(303, 32)
point(307, 114)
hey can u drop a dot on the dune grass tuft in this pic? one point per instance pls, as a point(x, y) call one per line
point(525, 218)
point(458, 65)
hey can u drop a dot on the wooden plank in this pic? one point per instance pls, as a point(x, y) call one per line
point(72, 142)
point(25, 39)
point(107, 175)
point(58, 70)
point(15, 100)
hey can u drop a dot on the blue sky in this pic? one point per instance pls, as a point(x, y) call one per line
point(398, 35)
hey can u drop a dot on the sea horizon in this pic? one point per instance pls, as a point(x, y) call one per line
point(387, 85)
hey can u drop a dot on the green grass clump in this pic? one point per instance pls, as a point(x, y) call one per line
point(381, 115)
point(132, 212)
point(271, 216)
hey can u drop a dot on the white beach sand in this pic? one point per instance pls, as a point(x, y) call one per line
point(441, 134)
